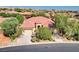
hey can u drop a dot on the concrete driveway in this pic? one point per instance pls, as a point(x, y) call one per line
point(27, 35)
point(25, 38)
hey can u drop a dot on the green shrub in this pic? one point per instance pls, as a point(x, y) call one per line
point(8, 15)
point(3, 8)
point(34, 14)
point(19, 17)
point(60, 21)
point(68, 28)
point(28, 10)
point(73, 29)
point(17, 34)
point(18, 9)
point(34, 39)
point(43, 33)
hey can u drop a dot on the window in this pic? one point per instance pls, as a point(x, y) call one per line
point(38, 26)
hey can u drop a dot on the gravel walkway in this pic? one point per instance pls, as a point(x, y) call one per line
point(56, 37)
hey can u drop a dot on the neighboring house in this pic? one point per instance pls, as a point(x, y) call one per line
point(26, 14)
point(33, 23)
point(7, 11)
point(76, 15)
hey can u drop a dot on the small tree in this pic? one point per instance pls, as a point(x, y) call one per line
point(9, 26)
point(20, 18)
point(43, 33)
point(61, 22)
point(8, 15)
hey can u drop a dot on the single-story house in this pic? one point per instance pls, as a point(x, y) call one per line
point(26, 14)
point(7, 11)
point(33, 23)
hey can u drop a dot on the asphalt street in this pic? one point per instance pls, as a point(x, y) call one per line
point(55, 47)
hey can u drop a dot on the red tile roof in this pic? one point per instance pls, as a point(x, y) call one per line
point(30, 23)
